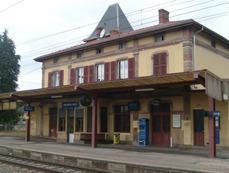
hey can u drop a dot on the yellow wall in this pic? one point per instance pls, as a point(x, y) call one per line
point(206, 59)
point(175, 59)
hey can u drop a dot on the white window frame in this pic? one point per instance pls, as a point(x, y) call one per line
point(80, 75)
point(100, 72)
point(56, 79)
point(123, 69)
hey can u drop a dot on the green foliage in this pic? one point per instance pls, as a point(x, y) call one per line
point(8, 118)
point(9, 64)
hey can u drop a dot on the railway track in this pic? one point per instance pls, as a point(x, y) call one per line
point(38, 165)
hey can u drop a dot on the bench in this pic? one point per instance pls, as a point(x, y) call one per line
point(87, 137)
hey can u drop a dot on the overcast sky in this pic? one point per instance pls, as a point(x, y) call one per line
point(35, 25)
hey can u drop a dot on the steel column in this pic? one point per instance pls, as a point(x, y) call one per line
point(94, 124)
point(211, 125)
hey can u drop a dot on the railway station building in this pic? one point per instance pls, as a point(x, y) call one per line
point(173, 75)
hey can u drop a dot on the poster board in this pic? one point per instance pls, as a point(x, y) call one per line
point(176, 119)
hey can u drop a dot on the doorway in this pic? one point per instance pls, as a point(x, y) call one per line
point(198, 120)
point(161, 124)
point(70, 125)
point(53, 122)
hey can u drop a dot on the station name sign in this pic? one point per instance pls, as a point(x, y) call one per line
point(29, 108)
point(70, 105)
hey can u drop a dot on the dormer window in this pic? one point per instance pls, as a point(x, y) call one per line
point(99, 50)
point(122, 45)
point(159, 37)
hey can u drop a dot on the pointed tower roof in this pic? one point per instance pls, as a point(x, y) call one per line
point(113, 20)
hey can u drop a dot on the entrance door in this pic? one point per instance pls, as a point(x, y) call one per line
point(53, 122)
point(70, 125)
point(198, 119)
point(161, 124)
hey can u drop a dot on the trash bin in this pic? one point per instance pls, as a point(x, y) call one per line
point(116, 138)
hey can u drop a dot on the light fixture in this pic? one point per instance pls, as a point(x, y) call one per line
point(145, 89)
point(56, 97)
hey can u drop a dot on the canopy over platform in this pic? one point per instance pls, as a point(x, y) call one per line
point(214, 86)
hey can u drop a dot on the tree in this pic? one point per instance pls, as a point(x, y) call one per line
point(9, 70)
point(9, 64)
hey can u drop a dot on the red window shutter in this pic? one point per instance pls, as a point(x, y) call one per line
point(156, 64)
point(50, 79)
point(85, 74)
point(113, 70)
point(73, 76)
point(61, 77)
point(91, 73)
point(107, 71)
point(163, 64)
point(131, 68)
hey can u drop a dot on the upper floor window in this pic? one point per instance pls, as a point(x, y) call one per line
point(123, 69)
point(160, 64)
point(100, 72)
point(79, 54)
point(80, 75)
point(99, 50)
point(55, 60)
point(55, 79)
point(213, 44)
point(122, 45)
point(159, 37)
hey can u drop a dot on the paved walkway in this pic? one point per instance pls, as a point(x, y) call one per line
point(149, 158)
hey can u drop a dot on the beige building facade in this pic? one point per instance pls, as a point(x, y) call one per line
point(176, 113)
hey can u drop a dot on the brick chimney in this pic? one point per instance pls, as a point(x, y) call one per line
point(163, 16)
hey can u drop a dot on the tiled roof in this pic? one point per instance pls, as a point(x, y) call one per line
point(133, 34)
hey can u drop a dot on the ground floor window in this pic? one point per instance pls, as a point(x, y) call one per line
point(79, 120)
point(61, 119)
point(89, 119)
point(122, 119)
point(103, 119)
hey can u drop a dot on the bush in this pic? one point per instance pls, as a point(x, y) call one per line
point(8, 118)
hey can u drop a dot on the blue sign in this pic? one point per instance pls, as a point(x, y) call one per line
point(133, 106)
point(217, 127)
point(28, 108)
point(70, 105)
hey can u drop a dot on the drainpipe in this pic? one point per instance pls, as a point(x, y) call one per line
point(194, 48)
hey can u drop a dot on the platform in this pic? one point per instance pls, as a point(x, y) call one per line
point(112, 159)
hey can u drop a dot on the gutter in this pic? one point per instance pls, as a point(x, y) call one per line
point(194, 48)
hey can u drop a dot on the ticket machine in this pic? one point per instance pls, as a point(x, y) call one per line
point(143, 131)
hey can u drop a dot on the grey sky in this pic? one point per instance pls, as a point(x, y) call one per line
point(33, 19)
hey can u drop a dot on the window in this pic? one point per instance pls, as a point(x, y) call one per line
point(123, 69)
point(55, 60)
point(89, 119)
point(99, 50)
point(159, 38)
point(122, 45)
point(80, 77)
point(79, 54)
point(103, 119)
point(55, 79)
point(160, 64)
point(79, 120)
point(122, 119)
point(100, 72)
point(213, 44)
point(61, 120)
